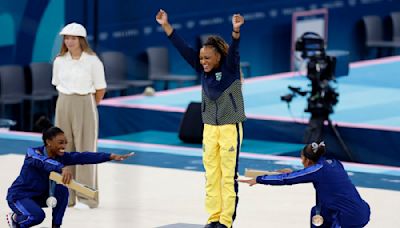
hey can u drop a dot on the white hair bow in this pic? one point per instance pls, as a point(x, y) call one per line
point(315, 146)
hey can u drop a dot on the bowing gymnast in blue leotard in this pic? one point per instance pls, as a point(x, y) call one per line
point(338, 200)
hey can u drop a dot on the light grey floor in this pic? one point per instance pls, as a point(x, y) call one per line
point(146, 197)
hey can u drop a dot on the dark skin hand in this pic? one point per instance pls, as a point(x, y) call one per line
point(66, 175)
point(121, 157)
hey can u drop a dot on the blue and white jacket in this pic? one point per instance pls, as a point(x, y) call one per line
point(33, 179)
point(335, 191)
point(222, 96)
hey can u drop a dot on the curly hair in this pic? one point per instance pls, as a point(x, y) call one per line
point(218, 44)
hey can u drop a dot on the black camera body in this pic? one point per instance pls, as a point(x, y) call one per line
point(310, 44)
point(321, 71)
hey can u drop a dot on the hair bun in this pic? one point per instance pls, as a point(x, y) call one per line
point(42, 124)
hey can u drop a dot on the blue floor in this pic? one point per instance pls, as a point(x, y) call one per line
point(189, 158)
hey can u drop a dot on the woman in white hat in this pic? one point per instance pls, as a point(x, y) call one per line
point(78, 75)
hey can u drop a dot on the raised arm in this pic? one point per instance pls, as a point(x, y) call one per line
point(237, 22)
point(233, 59)
point(187, 52)
point(162, 19)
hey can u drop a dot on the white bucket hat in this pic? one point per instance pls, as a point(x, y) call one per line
point(73, 29)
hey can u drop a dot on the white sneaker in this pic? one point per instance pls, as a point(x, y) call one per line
point(10, 220)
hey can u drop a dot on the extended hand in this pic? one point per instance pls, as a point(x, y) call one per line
point(66, 175)
point(237, 21)
point(285, 170)
point(162, 17)
point(118, 157)
point(251, 182)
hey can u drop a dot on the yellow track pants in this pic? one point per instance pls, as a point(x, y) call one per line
point(221, 146)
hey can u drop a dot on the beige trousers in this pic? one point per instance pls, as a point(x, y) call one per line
point(77, 116)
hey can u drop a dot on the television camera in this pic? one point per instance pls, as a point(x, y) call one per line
point(322, 70)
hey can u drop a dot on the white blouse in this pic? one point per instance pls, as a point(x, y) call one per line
point(78, 76)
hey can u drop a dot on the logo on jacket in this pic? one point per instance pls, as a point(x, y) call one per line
point(232, 149)
point(218, 76)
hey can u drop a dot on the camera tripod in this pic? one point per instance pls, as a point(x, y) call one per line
point(314, 131)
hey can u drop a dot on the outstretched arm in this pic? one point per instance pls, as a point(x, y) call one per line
point(286, 177)
point(89, 158)
point(77, 158)
point(253, 181)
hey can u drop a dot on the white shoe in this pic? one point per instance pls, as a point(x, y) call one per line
point(10, 220)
